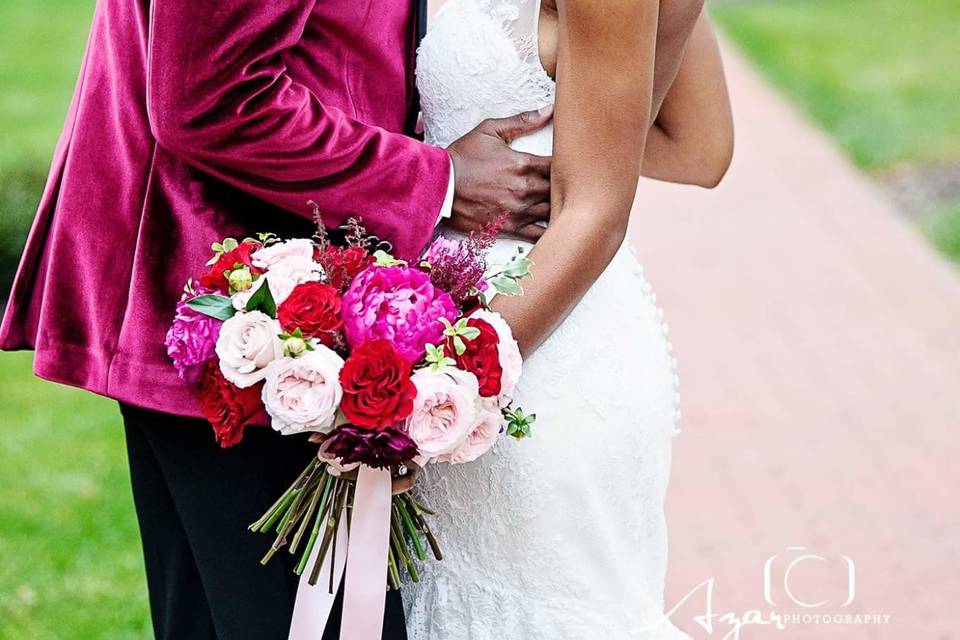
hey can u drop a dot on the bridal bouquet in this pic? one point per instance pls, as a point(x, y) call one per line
point(386, 364)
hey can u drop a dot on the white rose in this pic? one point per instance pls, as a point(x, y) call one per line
point(282, 278)
point(297, 248)
point(284, 275)
point(247, 343)
point(508, 352)
point(304, 393)
point(444, 411)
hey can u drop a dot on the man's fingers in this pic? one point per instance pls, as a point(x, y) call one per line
point(539, 212)
point(508, 129)
point(402, 484)
point(530, 232)
point(538, 165)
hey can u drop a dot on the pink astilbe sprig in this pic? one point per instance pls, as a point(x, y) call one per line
point(457, 266)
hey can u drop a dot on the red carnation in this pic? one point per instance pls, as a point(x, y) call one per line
point(216, 277)
point(228, 407)
point(314, 308)
point(342, 264)
point(482, 357)
point(377, 390)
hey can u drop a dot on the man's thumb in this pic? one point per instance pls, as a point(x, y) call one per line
point(522, 124)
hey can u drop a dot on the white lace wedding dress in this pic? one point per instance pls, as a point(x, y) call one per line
point(561, 536)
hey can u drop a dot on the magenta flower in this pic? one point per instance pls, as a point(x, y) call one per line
point(398, 304)
point(457, 266)
point(191, 341)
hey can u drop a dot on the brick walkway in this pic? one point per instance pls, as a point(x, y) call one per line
point(819, 352)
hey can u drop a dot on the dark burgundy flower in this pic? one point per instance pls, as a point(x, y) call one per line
point(378, 449)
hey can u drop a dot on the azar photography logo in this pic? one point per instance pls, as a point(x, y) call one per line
point(799, 586)
point(802, 557)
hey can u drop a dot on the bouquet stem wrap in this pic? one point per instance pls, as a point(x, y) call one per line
point(365, 566)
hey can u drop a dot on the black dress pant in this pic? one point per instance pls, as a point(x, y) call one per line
point(194, 502)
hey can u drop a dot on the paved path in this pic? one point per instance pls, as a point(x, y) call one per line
point(819, 346)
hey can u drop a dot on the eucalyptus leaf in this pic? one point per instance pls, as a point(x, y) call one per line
point(506, 286)
point(219, 307)
point(518, 268)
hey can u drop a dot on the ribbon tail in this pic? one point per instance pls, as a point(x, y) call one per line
point(314, 603)
point(366, 572)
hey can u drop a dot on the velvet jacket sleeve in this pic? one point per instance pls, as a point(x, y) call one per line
point(220, 99)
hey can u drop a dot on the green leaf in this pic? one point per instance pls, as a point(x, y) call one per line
point(262, 300)
point(506, 286)
point(459, 345)
point(384, 259)
point(219, 307)
point(518, 268)
point(470, 333)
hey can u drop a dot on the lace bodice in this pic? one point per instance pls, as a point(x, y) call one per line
point(480, 59)
point(537, 544)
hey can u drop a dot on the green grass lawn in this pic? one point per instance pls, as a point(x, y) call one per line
point(880, 75)
point(41, 44)
point(71, 563)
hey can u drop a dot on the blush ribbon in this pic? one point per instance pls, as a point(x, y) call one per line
point(364, 561)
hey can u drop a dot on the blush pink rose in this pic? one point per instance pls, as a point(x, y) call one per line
point(397, 304)
point(303, 393)
point(481, 438)
point(444, 411)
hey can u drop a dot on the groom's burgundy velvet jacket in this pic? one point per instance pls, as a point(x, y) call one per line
point(197, 119)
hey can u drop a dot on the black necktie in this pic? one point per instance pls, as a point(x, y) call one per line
point(421, 20)
point(420, 30)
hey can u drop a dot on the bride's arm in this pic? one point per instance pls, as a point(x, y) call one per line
point(692, 139)
point(604, 80)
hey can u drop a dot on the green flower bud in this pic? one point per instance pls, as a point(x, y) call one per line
point(240, 279)
point(294, 346)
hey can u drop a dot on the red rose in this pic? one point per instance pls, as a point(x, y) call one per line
point(228, 407)
point(482, 357)
point(216, 277)
point(314, 307)
point(377, 390)
point(342, 264)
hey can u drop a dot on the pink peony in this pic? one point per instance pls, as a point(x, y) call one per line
point(482, 437)
point(398, 304)
point(444, 411)
point(191, 341)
